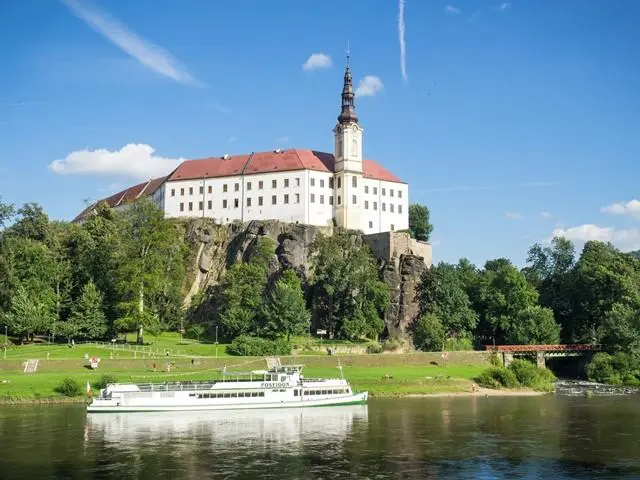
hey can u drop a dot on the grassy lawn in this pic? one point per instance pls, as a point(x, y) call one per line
point(381, 375)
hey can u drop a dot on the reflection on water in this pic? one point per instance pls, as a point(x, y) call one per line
point(551, 436)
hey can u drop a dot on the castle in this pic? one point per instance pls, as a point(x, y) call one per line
point(292, 185)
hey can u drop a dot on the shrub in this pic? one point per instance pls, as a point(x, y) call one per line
point(529, 375)
point(494, 360)
point(104, 380)
point(618, 369)
point(497, 377)
point(375, 348)
point(458, 344)
point(69, 388)
point(248, 346)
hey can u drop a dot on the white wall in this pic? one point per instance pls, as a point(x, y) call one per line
point(374, 218)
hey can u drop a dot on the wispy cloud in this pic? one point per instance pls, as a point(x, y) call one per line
point(233, 138)
point(369, 86)
point(133, 160)
point(504, 6)
point(317, 61)
point(452, 9)
point(147, 53)
point(626, 239)
point(514, 215)
point(545, 214)
point(113, 187)
point(631, 208)
point(283, 140)
point(403, 45)
point(478, 188)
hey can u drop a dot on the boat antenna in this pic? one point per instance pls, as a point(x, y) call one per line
point(340, 368)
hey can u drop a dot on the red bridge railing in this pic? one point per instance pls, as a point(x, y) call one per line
point(544, 348)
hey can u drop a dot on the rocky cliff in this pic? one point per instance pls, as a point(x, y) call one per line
point(214, 248)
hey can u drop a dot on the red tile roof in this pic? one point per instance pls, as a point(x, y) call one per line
point(267, 162)
point(140, 190)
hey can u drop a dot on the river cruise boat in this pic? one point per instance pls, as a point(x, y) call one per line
point(280, 386)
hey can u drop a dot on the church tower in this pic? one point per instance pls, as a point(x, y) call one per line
point(348, 157)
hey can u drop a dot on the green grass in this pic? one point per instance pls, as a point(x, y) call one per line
point(386, 375)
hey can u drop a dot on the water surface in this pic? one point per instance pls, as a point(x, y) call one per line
point(472, 437)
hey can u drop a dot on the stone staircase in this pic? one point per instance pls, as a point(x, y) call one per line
point(30, 366)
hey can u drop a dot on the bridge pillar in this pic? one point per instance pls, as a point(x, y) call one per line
point(540, 360)
point(507, 358)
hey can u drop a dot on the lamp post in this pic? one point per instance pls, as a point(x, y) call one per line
point(216, 341)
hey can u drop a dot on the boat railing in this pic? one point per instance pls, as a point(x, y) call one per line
point(175, 386)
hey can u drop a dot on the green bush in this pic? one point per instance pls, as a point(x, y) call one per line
point(529, 375)
point(104, 380)
point(494, 360)
point(248, 346)
point(497, 377)
point(375, 348)
point(69, 388)
point(618, 369)
point(458, 344)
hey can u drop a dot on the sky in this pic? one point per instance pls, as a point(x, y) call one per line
point(513, 121)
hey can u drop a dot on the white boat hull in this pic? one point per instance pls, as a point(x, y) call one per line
point(99, 405)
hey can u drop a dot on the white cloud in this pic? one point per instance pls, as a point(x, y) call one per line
point(632, 208)
point(545, 214)
point(317, 61)
point(281, 140)
point(113, 187)
point(452, 9)
point(514, 215)
point(145, 52)
point(504, 6)
point(233, 138)
point(133, 160)
point(369, 86)
point(624, 239)
point(403, 45)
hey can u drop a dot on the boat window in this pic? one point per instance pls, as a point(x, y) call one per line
point(295, 392)
point(324, 392)
point(227, 395)
point(261, 394)
point(283, 389)
point(192, 394)
point(283, 378)
point(234, 395)
point(254, 394)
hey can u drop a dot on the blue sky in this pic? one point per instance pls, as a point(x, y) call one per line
point(512, 121)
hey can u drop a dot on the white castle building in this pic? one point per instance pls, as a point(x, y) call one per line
point(293, 185)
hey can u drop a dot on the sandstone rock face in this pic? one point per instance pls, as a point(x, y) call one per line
point(214, 248)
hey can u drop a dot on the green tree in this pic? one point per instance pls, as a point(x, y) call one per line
point(6, 213)
point(442, 293)
point(87, 315)
point(621, 329)
point(32, 223)
point(348, 297)
point(285, 312)
point(419, 224)
point(534, 325)
point(30, 312)
point(429, 333)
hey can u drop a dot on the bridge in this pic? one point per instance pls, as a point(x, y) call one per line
point(542, 352)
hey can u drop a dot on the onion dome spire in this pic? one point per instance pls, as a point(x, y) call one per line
point(348, 112)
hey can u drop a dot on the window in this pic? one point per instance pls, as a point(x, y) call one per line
point(209, 205)
point(260, 184)
point(313, 198)
point(286, 198)
point(375, 205)
point(274, 183)
point(339, 200)
point(181, 207)
point(236, 187)
point(366, 189)
point(286, 182)
point(399, 193)
point(392, 227)
point(200, 205)
point(391, 192)
point(366, 204)
point(331, 200)
point(259, 201)
point(339, 182)
point(249, 202)
point(224, 203)
point(297, 181)
point(354, 181)
point(370, 224)
point(190, 190)
point(297, 198)
point(399, 208)
point(182, 192)
point(236, 202)
point(190, 206)
point(354, 200)
point(321, 199)
point(312, 182)
point(384, 192)
point(210, 189)
point(201, 189)
point(173, 192)
point(322, 183)
point(331, 182)
point(224, 188)
point(248, 186)
point(273, 199)
point(384, 207)
point(391, 206)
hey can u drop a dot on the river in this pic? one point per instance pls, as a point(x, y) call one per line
point(551, 437)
